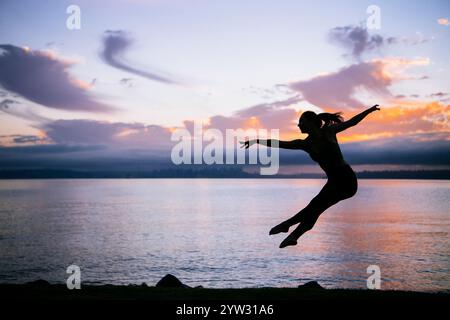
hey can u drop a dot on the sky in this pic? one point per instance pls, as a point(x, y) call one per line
point(137, 70)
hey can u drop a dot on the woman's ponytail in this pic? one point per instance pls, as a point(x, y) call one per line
point(330, 118)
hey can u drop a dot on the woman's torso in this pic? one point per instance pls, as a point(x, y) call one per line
point(325, 150)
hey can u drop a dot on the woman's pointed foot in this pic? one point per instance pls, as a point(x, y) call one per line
point(282, 227)
point(289, 241)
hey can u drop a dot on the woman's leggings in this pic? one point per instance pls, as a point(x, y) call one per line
point(341, 184)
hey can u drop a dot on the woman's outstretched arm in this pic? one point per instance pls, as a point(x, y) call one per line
point(354, 120)
point(293, 144)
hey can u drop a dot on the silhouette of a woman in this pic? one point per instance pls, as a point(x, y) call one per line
point(322, 146)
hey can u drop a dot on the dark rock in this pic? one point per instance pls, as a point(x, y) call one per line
point(143, 284)
point(311, 285)
point(170, 281)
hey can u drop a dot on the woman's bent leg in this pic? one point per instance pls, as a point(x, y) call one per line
point(309, 217)
point(285, 225)
point(312, 206)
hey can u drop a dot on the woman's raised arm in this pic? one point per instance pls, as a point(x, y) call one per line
point(353, 121)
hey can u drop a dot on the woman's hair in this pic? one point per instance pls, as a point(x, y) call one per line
point(327, 118)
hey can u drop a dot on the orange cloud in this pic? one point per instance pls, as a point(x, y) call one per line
point(443, 22)
point(393, 69)
point(430, 119)
point(402, 118)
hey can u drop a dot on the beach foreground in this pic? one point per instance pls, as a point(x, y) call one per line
point(201, 303)
point(45, 291)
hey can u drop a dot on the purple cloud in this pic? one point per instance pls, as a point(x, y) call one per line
point(27, 139)
point(358, 40)
point(272, 115)
point(43, 78)
point(355, 38)
point(337, 89)
point(113, 134)
point(20, 139)
point(115, 43)
point(140, 136)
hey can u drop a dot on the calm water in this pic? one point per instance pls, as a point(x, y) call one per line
point(215, 232)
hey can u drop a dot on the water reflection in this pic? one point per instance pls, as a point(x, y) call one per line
point(215, 232)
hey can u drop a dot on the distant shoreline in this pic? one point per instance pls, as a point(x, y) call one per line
point(209, 174)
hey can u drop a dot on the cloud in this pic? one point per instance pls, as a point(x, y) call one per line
point(43, 78)
point(419, 120)
point(279, 104)
point(420, 148)
point(272, 115)
point(113, 134)
point(403, 118)
point(43, 149)
point(414, 148)
point(425, 120)
point(22, 139)
point(411, 41)
point(27, 139)
point(411, 149)
point(443, 22)
point(443, 96)
point(339, 89)
point(6, 103)
point(403, 133)
point(127, 82)
point(115, 43)
point(14, 108)
point(358, 40)
point(355, 38)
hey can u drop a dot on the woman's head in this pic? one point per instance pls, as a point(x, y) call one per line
point(310, 121)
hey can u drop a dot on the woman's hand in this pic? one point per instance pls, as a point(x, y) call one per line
point(247, 144)
point(374, 108)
